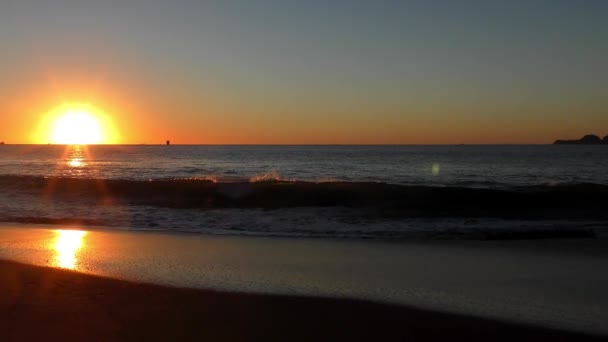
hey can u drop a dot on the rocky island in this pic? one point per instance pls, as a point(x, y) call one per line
point(590, 139)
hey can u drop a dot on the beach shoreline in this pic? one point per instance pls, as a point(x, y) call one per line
point(557, 284)
point(53, 304)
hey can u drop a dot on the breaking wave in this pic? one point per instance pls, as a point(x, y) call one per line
point(271, 192)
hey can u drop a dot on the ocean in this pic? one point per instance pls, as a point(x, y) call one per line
point(388, 192)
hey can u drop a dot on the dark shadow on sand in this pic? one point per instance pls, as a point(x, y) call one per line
point(48, 304)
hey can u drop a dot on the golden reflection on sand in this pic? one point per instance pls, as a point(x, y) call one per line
point(66, 246)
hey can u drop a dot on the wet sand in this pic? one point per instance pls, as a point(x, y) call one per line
point(42, 303)
point(558, 284)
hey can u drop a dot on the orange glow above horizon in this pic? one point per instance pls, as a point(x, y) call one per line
point(76, 124)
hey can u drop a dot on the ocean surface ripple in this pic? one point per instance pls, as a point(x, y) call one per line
point(316, 191)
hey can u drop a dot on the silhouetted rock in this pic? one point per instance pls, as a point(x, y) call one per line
point(589, 139)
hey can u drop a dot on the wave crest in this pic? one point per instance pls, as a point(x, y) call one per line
point(272, 176)
point(271, 191)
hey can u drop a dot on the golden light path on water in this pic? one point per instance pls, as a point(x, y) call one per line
point(66, 246)
point(76, 162)
point(75, 155)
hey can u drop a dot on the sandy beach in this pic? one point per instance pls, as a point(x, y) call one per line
point(41, 303)
point(324, 288)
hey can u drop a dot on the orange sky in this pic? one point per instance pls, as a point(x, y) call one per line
point(308, 73)
point(138, 117)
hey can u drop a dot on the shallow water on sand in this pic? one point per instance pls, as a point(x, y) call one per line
point(553, 283)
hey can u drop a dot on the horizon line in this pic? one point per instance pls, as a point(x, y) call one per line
point(310, 144)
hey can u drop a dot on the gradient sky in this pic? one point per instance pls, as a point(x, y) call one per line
point(233, 72)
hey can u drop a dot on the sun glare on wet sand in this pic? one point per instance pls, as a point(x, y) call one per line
point(67, 244)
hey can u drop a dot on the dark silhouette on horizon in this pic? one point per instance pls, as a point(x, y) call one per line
point(168, 142)
point(589, 139)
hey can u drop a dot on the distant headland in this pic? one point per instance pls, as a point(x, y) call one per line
point(590, 139)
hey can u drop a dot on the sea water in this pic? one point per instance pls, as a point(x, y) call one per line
point(317, 191)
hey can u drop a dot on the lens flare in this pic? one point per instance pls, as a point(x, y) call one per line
point(436, 169)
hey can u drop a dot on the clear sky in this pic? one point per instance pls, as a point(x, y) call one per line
point(233, 72)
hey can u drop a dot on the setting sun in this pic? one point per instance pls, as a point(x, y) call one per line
point(77, 125)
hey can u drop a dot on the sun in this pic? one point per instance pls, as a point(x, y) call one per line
point(77, 124)
point(77, 127)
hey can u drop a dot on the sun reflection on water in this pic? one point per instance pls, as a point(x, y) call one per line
point(67, 245)
point(75, 156)
point(76, 162)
